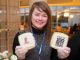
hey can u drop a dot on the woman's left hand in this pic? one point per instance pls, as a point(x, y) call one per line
point(63, 52)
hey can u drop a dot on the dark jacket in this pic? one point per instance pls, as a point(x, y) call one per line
point(51, 54)
point(74, 44)
point(47, 52)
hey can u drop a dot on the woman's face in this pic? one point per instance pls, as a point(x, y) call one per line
point(39, 19)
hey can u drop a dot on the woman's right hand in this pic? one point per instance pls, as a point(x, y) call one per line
point(63, 52)
point(21, 52)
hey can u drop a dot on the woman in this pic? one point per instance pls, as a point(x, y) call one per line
point(40, 27)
